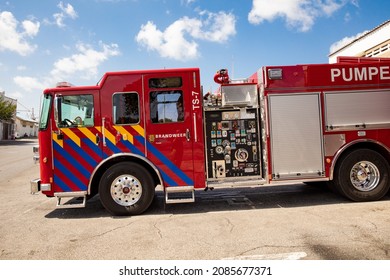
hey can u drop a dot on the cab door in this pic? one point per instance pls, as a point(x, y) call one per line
point(122, 115)
point(75, 139)
point(170, 132)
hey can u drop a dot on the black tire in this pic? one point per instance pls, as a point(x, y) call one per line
point(126, 188)
point(362, 175)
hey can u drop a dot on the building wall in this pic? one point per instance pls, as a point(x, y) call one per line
point(24, 127)
point(7, 128)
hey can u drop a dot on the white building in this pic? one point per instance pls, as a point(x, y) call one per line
point(7, 128)
point(373, 43)
point(25, 126)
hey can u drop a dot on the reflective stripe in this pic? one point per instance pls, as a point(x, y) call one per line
point(72, 135)
point(139, 129)
point(88, 133)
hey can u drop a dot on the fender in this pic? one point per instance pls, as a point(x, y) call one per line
point(342, 149)
point(127, 155)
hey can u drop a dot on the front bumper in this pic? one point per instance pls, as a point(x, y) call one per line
point(35, 185)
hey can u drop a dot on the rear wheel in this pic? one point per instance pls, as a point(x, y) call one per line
point(126, 188)
point(362, 175)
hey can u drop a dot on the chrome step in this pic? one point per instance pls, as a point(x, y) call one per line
point(235, 182)
point(70, 195)
point(182, 194)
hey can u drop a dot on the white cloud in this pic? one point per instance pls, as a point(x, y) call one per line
point(187, 2)
point(299, 14)
point(347, 17)
point(179, 40)
point(21, 68)
point(31, 28)
point(29, 84)
point(170, 43)
point(329, 7)
point(355, 3)
point(14, 36)
point(84, 63)
point(218, 27)
point(67, 11)
point(345, 41)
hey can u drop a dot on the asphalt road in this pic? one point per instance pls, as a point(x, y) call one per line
point(278, 222)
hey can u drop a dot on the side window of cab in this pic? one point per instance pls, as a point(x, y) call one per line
point(125, 108)
point(76, 111)
point(166, 100)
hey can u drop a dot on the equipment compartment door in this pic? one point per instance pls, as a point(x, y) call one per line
point(296, 136)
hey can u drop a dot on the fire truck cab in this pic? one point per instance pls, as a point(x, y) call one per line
point(138, 130)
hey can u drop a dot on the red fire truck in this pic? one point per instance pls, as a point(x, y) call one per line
point(138, 130)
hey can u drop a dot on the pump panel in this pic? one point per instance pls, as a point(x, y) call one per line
point(233, 148)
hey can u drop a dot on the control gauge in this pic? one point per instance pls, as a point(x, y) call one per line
point(219, 150)
point(225, 143)
point(241, 155)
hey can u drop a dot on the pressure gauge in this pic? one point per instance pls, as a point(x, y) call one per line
point(225, 143)
point(241, 155)
point(219, 150)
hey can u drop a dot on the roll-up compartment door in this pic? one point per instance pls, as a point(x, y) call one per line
point(296, 136)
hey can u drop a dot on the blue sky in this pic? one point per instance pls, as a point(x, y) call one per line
point(43, 42)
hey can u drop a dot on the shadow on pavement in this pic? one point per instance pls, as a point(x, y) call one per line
point(18, 142)
point(231, 199)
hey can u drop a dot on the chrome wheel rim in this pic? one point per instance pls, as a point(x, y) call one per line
point(365, 176)
point(126, 190)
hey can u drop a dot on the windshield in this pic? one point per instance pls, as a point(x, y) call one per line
point(46, 104)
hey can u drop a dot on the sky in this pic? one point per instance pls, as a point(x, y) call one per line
point(47, 41)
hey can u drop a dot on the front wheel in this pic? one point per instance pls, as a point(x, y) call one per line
point(126, 188)
point(362, 175)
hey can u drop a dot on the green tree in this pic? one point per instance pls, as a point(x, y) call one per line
point(7, 110)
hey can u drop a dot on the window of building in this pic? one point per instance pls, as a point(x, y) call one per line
point(126, 108)
point(166, 106)
point(379, 51)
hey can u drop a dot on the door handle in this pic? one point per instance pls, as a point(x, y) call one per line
point(97, 139)
point(104, 131)
point(188, 136)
